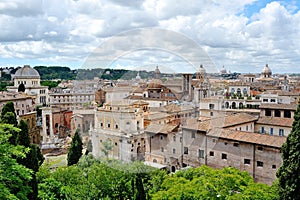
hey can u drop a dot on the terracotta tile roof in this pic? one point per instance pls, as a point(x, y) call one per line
point(160, 128)
point(220, 122)
point(291, 106)
point(156, 115)
point(254, 138)
point(236, 119)
point(276, 121)
point(193, 124)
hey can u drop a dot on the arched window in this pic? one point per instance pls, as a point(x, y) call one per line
point(233, 105)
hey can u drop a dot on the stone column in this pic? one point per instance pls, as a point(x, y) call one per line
point(44, 133)
point(51, 125)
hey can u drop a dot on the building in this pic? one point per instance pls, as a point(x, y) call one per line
point(34, 131)
point(119, 131)
point(22, 103)
point(276, 119)
point(30, 78)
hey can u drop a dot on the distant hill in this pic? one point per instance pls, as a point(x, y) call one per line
point(65, 73)
point(56, 72)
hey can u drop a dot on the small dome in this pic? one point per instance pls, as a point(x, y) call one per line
point(157, 70)
point(138, 77)
point(201, 70)
point(26, 72)
point(266, 70)
point(223, 70)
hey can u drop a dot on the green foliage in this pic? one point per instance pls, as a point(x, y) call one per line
point(55, 72)
point(208, 183)
point(4, 84)
point(8, 116)
point(94, 179)
point(21, 88)
point(14, 178)
point(107, 147)
point(289, 173)
point(33, 158)
point(50, 84)
point(8, 107)
point(23, 136)
point(75, 151)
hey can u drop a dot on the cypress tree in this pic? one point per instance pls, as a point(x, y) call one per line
point(23, 136)
point(8, 116)
point(33, 159)
point(75, 151)
point(289, 173)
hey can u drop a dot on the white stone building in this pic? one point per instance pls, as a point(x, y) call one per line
point(31, 80)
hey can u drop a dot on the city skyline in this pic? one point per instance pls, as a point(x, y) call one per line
point(242, 36)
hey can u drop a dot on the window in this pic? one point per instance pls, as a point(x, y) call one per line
point(162, 149)
point(260, 164)
point(273, 100)
point(235, 144)
point(225, 143)
point(174, 151)
point(287, 114)
point(260, 148)
point(116, 126)
point(161, 137)
point(108, 125)
point(116, 144)
point(211, 106)
point(247, 161)
point(224, 156)
point(273, 166)
point(262, 129)
point(211, 114)
point(186, 150)
point(277, 113)
point(101, 124)
point(211, 153)
point(271, 131)
point(174, 138)
point(265, 100)
point(268, 112)
point(201, 153)
point(180, 139)
point(193, 134)
point(281, 132)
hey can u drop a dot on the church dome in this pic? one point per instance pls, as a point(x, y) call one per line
point(156, 73)
point(223, 70)
point(201, 70)
point(266, 70)
point(26, 72)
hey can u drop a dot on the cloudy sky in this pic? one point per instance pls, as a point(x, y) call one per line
point(242, 35)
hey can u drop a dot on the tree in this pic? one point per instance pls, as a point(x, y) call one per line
point(75, 151)
point(107, 146)
point(8, 107)
point(289, 173)
point(21, 88)
point(23, 136)
point(207, 183)
point(8, 114)
point(33, 158)
point(14, 178)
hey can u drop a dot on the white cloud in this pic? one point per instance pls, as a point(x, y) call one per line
point(67, 30)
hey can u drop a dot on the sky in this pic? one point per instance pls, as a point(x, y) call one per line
point(178, 36)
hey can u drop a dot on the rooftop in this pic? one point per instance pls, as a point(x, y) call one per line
point(254, 138)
